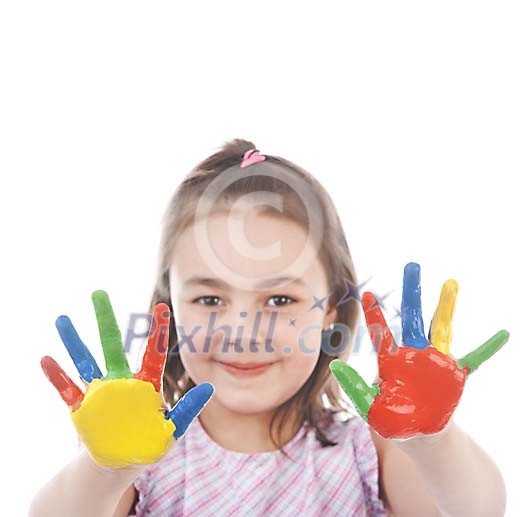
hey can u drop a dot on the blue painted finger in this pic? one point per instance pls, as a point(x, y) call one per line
point(411, 315)
point(81, 356)
point(189, 406)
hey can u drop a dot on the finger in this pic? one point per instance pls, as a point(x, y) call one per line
point(380, 334)
point(354, 386)
point(477, 357)
point(441, 327)
point(411, 317)
point(67, 389)
point(155, 355)
point(116, 363)
point(86, 365)
point(189, 406)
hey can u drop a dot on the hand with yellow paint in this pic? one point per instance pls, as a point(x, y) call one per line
point(120, 417)
point(420, 383)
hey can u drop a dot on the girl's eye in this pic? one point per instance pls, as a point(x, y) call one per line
point(208, 300)
point(279, 300)
point(282, 300)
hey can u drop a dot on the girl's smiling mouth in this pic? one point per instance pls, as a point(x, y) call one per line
point(246, 369)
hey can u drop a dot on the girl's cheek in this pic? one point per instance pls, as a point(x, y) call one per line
point(195, 361)
point(309, 344)
point(294, 334)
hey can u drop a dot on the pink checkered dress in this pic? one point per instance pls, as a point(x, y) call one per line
point(197, 477)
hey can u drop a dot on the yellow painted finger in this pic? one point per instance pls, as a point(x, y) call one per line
point(441, 328)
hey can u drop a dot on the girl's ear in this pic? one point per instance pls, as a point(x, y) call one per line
point(330, 317)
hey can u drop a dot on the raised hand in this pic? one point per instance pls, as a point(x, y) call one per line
point(420, 383)
point(120, 417)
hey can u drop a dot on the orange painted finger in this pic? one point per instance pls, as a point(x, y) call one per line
point(380, 334)
point(155, 355)
point(67, 389)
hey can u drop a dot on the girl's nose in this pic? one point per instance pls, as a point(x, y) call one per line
point(249, 329)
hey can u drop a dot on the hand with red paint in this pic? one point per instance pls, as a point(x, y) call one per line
point(120, 417)
point(420, 382)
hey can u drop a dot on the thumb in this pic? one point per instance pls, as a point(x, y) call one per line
point(189, 407)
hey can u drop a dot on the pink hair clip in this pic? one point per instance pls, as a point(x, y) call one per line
point(250, 157)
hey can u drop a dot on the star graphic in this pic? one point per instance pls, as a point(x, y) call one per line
point(352, 292)
point(292, 321)
point(318, 302)
point(396, 315)
point(380, 299)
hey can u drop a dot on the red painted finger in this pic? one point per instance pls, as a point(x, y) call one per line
point(380, 334)
point(155, 355)
point(68, 390)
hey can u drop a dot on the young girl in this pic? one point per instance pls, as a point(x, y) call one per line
point(256, 321)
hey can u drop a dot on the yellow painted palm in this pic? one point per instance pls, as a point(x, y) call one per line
point(120, 417)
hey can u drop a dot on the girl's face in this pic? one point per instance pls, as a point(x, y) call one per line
point(279, 326)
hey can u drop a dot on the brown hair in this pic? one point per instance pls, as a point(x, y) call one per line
point(309, 402)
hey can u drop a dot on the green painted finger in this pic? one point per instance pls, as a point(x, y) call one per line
point(116, 363)
point(477, 357)
point(354, 386)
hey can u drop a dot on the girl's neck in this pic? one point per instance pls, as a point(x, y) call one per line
point(247, 433)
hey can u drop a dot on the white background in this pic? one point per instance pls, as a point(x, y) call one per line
point(411, 115)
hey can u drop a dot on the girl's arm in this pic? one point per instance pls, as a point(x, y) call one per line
point(449, 471)
point(421, 385)
point(82, 488)
point(120, 418)
point(127, 502)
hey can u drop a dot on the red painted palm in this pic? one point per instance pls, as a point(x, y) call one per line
point(420, 383)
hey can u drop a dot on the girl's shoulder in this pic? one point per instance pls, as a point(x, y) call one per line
point(353, 440)
point(345, 427)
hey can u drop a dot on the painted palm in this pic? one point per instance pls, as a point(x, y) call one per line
point(420, 382)
point(120, 417)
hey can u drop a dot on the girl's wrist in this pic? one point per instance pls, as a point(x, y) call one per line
point(421, 440)
point(129, 473)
